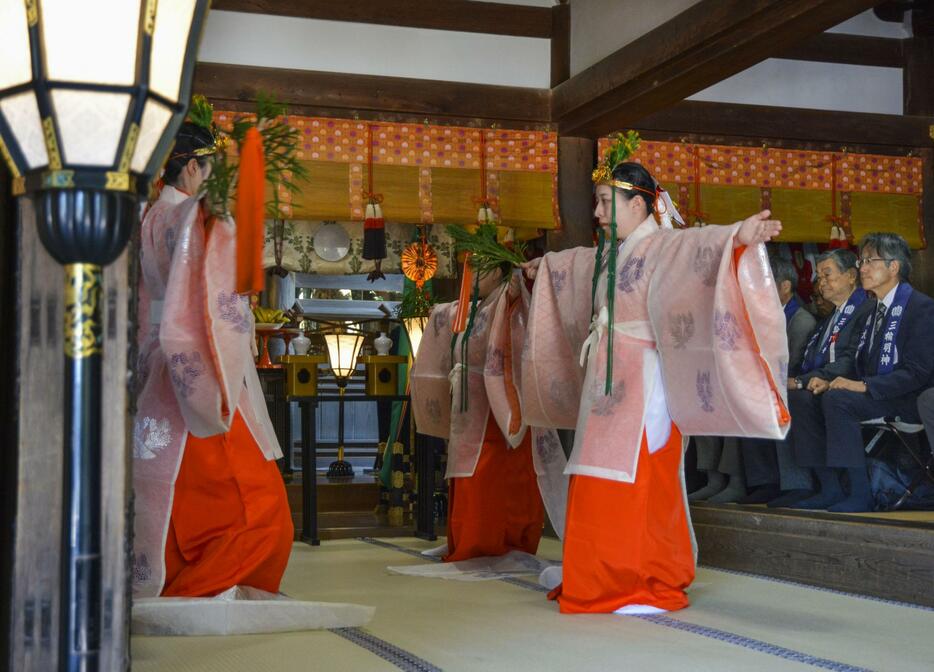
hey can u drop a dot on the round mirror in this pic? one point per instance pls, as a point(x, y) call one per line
point(332, 242)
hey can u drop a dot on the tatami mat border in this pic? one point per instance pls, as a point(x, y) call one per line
point(401, 658)
point(669, 622)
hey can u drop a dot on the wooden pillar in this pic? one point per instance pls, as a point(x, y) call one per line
point(8, 384)
point(918, 73)
point(560, 42)
point(38, 443)
point(575, 194)
point(918, 69)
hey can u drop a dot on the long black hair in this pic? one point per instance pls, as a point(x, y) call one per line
point(190, 137)
point(638, 176)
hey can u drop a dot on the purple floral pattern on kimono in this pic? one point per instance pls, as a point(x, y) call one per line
point(727, 330)
point(545, 447)
point(558, 392)
point(604, 404)
point(705, 391)
point(681, 328)
point(494, 362)
point(230, 305)
point(439, 321)
point(705, 265)
point(480, 320)
point(630, 274)
point(185, 369)
point(558, 280)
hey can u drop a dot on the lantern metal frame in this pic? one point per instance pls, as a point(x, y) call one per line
point(118, 176)
point(340, 469)
point(85, 215)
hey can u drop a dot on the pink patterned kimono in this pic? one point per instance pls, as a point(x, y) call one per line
point(699, 342)
point(493, 371)
point(199, 387)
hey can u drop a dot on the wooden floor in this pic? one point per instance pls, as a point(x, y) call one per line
point(345, 510)
point(888, 556)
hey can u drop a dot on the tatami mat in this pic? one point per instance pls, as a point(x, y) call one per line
point(735, 623)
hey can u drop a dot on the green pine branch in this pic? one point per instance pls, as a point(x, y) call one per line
point(486, 252)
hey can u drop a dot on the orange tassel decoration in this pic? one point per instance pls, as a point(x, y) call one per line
point(250, 214)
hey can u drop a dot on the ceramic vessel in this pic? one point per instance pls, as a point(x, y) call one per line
point(300, 344)
point(383, 344)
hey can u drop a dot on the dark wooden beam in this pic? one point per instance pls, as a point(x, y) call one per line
point(705, 44)
point(461, 15)
point(560, 43)
point(883, 52)
point(727, 123)
point(335, 94)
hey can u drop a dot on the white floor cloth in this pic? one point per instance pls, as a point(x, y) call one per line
point(241, 610)
point(514, 563)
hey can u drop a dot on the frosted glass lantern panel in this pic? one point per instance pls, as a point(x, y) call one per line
point(173, 25)
point(91, 40)
point(15, 61)
point(21, 114)
point(155, 118)
point(91, 125)
point(342, 353)
point(414, 327)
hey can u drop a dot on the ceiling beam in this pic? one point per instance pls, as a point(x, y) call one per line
point(370, 96)
point(728, 123)
point(467, 16)
point(560, 43)
point(705, 44)
point(883, 52)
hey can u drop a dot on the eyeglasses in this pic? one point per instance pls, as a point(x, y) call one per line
point(869, 260)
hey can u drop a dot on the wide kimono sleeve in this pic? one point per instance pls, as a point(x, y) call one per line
point(552, 378)
point(503, 364)
point(207, 328)
point(720, 333)
point(430, 386)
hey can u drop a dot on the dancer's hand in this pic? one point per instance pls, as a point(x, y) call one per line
point(758, 229)
point(530, 268)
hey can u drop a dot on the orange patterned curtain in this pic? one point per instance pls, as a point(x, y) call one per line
point(426, 173)
point(805, 189)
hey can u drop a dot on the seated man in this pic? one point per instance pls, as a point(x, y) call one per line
point(830, 352)
point(770, 468)
point(894, 362)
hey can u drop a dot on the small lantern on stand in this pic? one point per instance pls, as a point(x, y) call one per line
point(414, 328)
point(86, 121)
point(343, 348)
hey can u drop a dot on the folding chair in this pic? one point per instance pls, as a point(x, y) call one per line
point(900, 430)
